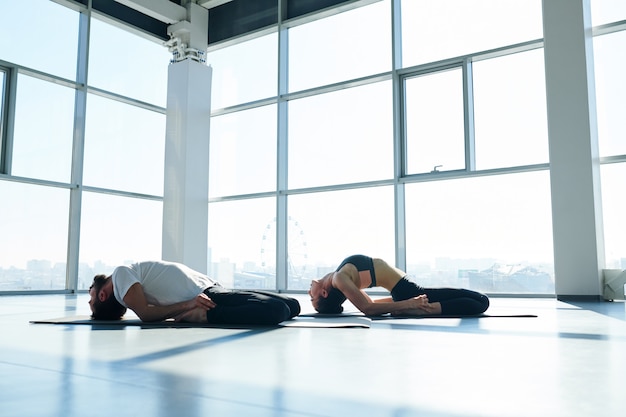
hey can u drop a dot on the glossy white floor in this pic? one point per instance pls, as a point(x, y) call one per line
point(569, 361)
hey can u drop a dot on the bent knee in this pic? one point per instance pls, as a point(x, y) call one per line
point(294, 307)
point(484, 303)
point(276, 312)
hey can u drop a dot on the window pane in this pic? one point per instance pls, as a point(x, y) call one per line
point(510, 116)
point(117, 231)
point(335, 225)
point(42, 144)
point(341, 137)
point(33, 242)
point(50, 43)
point(491, 234)
point(127, 64)
point(436, 30)
point(244, 72)
point(243, 152)
point(242, 243)
point(435, 138)
point(613, 205)
point(348, 45)
point(610, 59)
point(607, 11)
point(124, 147)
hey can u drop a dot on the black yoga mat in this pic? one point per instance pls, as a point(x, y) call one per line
point(301, 321)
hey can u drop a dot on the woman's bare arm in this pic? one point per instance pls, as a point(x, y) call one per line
point(362, 301)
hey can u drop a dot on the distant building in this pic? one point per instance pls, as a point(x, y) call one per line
point(511, 279)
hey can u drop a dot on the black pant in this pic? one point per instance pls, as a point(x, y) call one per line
point(454, 301)
point(250, 307)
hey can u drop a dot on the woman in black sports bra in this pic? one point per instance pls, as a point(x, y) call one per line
point(358, 272)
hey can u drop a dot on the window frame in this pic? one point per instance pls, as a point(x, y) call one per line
point(465, 63)
point(468, 114)
point(7, 115)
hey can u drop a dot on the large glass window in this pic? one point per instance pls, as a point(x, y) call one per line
point(40, 34)
point(126, 64)
point(607, 11)
point(117, 231)
point(510, 117)
point(434, 120)
point(613, 207)
point(492, 234)
point(243, 152)
point(341, 137)
point(33, 242)
point(329, 226)
point(610, 58)
point(42, 140)
point(242, 243)
point(436, 30)
point(244, 72)
point(348, 45)
point(124, 147)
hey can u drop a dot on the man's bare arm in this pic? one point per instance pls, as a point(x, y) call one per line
point(135, 299)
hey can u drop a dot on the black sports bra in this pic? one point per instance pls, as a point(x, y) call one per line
point(362, 263)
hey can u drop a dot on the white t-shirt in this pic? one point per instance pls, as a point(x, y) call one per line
point(163, 283)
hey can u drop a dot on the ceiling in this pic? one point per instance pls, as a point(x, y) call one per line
point(228, 19)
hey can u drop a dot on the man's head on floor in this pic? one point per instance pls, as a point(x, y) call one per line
point(103, 304)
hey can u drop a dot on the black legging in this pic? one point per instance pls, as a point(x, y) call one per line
point(250, 307)
point(454, 301)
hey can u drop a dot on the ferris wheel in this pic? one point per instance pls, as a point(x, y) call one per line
point(296, 248)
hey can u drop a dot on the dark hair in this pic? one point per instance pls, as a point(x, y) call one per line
point(332, 303)
point(109, 309)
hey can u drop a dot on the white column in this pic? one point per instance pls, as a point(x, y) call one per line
point(185, 194)
point(186, 188)
point(574, 159)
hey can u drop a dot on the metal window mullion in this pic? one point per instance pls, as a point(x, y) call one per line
point(6, 153)
point(468, 116)
point(398, 135)
point(78, 147)
point(282, 225)
point(4, 90)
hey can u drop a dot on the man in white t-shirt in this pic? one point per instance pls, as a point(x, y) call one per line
point(159, 290)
